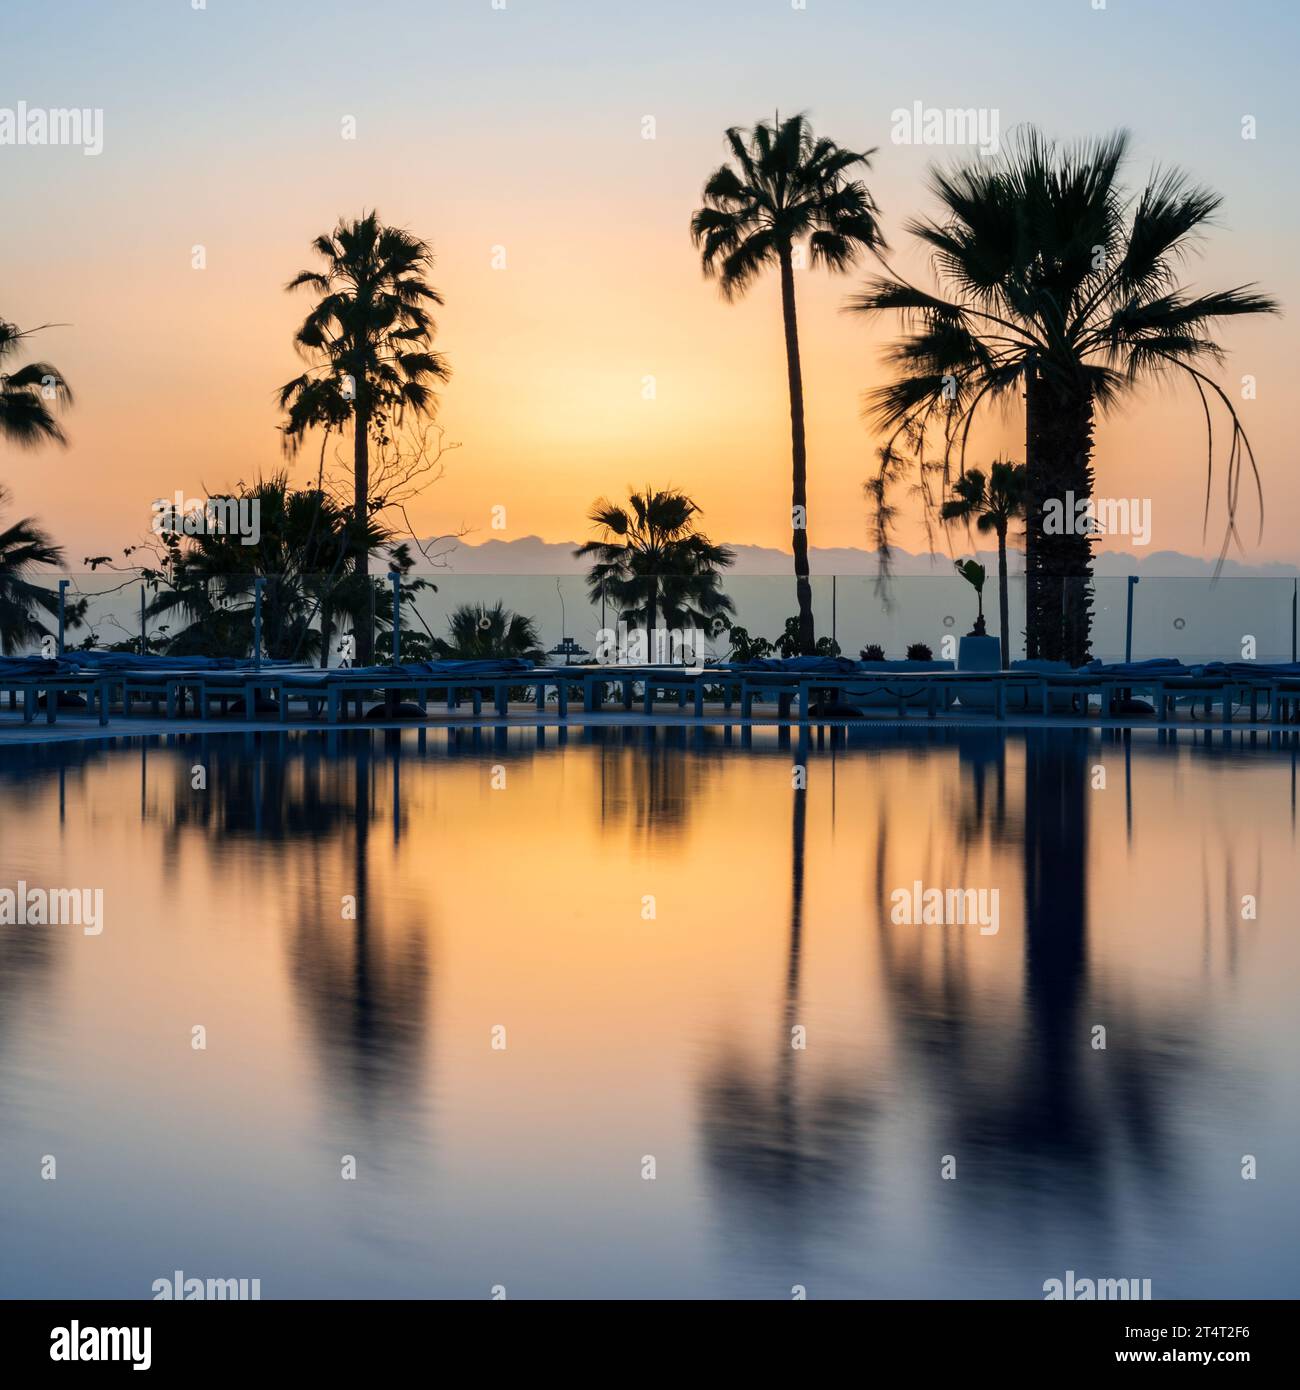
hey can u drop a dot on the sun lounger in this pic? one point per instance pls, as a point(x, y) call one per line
point(44, 682)
point(797, 686)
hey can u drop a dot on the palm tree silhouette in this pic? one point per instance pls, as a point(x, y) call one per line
point(25, 395)
point(307, 555)
point(786, 186)
point(27, 421)
point(479, 631)
point(992, 504)
point(652, 563)
point(23, 547)
point(1051, 283)
point(368, 341)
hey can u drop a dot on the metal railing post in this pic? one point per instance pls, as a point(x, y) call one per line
point(1128, 622)
point(257, 622)
point(63, 589)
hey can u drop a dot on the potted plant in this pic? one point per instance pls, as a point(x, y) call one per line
point(977, 651)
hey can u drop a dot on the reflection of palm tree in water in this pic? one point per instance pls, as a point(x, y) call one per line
point(271, 787)
point(1053, 1112)
point(364, 991)
point(1031, 1092)
point(1071, 1105)
point(362, 986)
point(783, 1146)
point(646, 778)
point(980, 750)
point(32, 957)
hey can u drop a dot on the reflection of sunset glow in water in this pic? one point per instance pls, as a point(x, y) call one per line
point(522, 907)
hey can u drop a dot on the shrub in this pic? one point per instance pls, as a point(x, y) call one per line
point(872, 652)
point(918, 651)
point(747, 648)
point(788, 642)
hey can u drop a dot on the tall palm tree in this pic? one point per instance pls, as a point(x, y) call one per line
point(26, 395)
point(368, 341)
point(24, 547)
point(786, 187)
point(652, 564)
point(992, 504)
point(1052, 283)
point(479, 631)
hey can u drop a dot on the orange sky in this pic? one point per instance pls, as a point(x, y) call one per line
point(222, 135)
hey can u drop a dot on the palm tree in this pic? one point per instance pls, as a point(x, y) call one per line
point(27, 421)
point(786, 187)
point(992, 504)
point(23, 548)
point(1055, 285)
point(368, 341)
point(653, 565)
point(25, 395)
point(478, 631)
point(307, 554)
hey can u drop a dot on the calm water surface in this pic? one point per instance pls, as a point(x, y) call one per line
point(651, 918)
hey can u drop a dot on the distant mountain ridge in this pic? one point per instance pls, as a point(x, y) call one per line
point(532, 555)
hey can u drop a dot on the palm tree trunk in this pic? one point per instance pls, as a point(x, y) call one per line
point(361, 510)
point(1004, 619)
point(326, 635)
point(651, 618)
point(799, 451)
point(1058, 566)
point(1034, 498)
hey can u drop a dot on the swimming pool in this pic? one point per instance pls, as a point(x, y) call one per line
point(653, 1012)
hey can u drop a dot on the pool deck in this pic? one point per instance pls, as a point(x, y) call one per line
point(72, 727)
